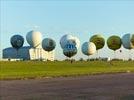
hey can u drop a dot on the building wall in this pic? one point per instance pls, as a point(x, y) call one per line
point(12, 53)
point(28, 53)
point(39, 53)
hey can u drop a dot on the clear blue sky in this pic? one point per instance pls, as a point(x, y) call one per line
point(81, 18)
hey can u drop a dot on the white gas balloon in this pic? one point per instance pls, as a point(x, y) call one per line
point(34, 38)
point(64, 39)
point(128, 41)
point(88, 48)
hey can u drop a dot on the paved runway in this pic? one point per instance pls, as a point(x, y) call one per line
point(97, 87)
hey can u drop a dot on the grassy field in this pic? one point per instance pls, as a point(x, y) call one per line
point(37, 69)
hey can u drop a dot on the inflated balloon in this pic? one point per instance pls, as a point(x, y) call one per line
point(48, 44)
point(70, 50)
point(67, 38)
point(128, 41)
point(88, 48)
point(34, 38)
point(17, 41)
point(114, 42)
point(64, 39)
point(98, 40)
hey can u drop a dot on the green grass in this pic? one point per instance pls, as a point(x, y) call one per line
point(37, 69)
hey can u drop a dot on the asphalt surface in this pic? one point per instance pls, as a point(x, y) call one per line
point(97, 87)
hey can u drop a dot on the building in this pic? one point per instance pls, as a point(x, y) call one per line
point(28, 53)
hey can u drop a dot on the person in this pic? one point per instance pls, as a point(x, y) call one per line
point(110, 61)
point(71, 61)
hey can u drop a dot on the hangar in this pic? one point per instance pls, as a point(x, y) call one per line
point(28, 53)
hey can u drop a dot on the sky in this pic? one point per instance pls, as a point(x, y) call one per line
point(54, 18)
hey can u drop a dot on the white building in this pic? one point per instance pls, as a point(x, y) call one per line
point(28, 53)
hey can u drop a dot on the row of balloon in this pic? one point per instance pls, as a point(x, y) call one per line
point(114, 43)
point(34, 39)
point(95, 43)
point(70, 44)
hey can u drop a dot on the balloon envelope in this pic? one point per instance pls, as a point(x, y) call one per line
point(128, 41)
point(64, 39)
point(48, 44)
point(34, 38)
point(114, 42)
point(98, 40)
point(17, 41)
point(88, 48)
point(76, 42)
point(70, 49)
point(71, 38)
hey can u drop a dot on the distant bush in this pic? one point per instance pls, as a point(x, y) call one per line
point(81, 59)
point(69, 60)
point(130, 59)
point(56, 60)
point(115, 59)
